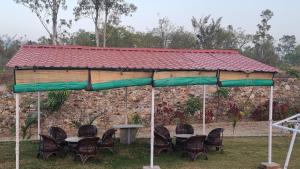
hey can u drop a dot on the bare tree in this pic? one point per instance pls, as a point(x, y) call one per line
point(46, 10)
point(91, 9)
point(110, 9)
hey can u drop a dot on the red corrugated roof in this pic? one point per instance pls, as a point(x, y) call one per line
point(134, 58)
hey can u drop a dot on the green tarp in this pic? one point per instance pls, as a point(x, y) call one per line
point(122, 83)
point(177, 81)
point(50, 86)
point(183, 81)
point(247, 82)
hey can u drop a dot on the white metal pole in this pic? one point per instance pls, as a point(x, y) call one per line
point(203, 115)
point(17, 130)
point(270, 126)
point(286, 164)
point(126, 120)
point(152, 127)
point(39, 115)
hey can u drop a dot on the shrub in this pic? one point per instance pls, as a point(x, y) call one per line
point(29, 121)
point(234, 114)
point(135, 119)
point(293, 73)
point(280, 111)
point(222, 92)
point(55, 100)
point(192, 105)
point(209, 116)
point(164, 113)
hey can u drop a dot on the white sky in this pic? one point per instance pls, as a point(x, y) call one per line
point(17, 20)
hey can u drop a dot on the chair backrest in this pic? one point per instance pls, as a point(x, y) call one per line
point(87, 145)
point(47, 143)
point(87, 131)
point(184, 129)
point(159, 139)
point(107, 137)
point(195, 142)
point(57, 133)
point(215, 136)
point(163, 131)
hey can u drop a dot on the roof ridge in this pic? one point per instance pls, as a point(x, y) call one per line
point(225, 51)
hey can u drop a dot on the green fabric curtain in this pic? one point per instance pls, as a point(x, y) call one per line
point(50, 86)
point(183, 81)
point(247, 82)
point(122, 83)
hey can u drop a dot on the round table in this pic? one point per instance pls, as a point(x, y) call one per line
point(127, 132)
point(73, 139)
point(186, 136)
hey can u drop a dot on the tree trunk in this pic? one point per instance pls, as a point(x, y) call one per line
point(54, 22)
point(104, 31)
point(96, 27)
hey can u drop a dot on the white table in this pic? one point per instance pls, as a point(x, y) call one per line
point(73, 139)
point(184, 135)
point(128, 132)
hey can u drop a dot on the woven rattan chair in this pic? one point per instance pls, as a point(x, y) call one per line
point(87, 131)
point(47, 147)
point(183, 129)
point(58, 134)
point(162, 130)
point(161, 143)
point(215, 139)
point(194, 146)
point(108, 140)
point(86, 148)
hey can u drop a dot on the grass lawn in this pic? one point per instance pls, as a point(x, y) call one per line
point(240, 153)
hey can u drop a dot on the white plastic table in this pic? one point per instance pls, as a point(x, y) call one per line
point(184, 135)
point(73, 139)
point(128, 132)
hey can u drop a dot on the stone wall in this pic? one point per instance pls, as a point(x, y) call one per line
point(82, 105)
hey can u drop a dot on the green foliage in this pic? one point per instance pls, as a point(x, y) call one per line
point(293, 73)
point(29, 121)
point(47, 11)
point(135, 118)
point(192, 105)
point(8, 47)
point(211, 34)
point(83, 121)
point(55, 100)
point(222, 92)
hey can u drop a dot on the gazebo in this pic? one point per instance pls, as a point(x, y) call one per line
point(40, 68)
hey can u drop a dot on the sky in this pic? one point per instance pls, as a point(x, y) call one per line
point(17, 20)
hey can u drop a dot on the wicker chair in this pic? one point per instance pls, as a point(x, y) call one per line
point(164, 132)
point(108, 140)
point(183, 129)
point(194, 146)
point(58, 134)
point(47, 147)
point(86, 148)
point(215, 139)
point(87, 131)
point(161, 143)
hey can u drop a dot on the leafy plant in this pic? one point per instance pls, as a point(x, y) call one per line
point(209, 116)
point(29, 121)
point(192, 105)
point(81, 121)
point(55, 100)
point(293, 73)
point(280, 111)
point(234, 114)
point(222, 92)
point(135, 118)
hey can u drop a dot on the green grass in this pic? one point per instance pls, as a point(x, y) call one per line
point(240, 153)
